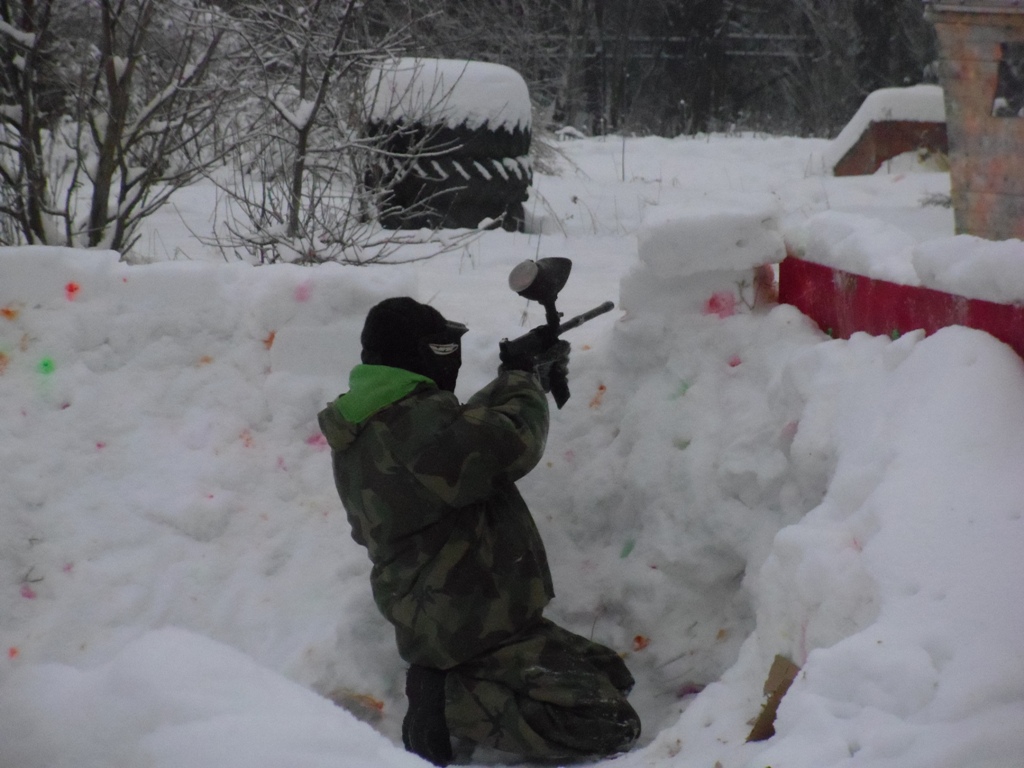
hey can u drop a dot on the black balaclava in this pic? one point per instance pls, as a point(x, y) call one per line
point(403, 333)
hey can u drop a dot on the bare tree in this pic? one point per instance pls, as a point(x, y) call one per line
point(295, 195)
point(804, 66)
point(134, 122)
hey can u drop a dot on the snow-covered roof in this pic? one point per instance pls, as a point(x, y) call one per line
point(918, 103)
point(448, 92)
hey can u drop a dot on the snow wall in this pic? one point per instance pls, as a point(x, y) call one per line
point(728, 485)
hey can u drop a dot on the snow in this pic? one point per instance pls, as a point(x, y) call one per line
point(726, 483)
point(916, 103)
point(449, 92)
point(964, 265)
point(24, 39)
point(973, 267)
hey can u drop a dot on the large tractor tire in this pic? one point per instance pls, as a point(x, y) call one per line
point(451, 140)
point(452, 192)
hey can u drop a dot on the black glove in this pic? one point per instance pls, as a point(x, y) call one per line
point(514, 358)
point(552, 366)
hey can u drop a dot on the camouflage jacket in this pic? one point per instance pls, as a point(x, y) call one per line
point(428, 486)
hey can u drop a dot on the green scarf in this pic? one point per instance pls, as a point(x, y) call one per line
point(372, 387)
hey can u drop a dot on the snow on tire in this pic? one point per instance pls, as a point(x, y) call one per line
point(453, 138)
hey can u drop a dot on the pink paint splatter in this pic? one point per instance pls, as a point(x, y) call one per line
point(317, 441)
point(28, 592)
point(689, 689)
point(721, 303)
point(12, 652)
point(100, 445)
point(68, 567)
point(303, 291)
point(281, 463)
point(570, 455)
point(734, 361)
point(71, 290)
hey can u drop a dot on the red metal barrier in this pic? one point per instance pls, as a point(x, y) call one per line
point(842, 303)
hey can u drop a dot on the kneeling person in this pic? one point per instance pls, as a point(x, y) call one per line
point(459, 568)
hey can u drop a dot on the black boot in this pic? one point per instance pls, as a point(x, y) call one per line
point(424, 730)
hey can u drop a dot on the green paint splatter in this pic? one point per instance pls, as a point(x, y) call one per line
point(46, 366)
point(684, 387)
point(681, 444)
point(894, 334)
point(627, 548)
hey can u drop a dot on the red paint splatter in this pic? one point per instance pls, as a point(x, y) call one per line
point(28, 592)
point(317, 441)
point(595, 401)
point(721, 303)
point(689, 689)
point(71, 290)
point(12, 652)
point(269, 341)
point(640, 642)
point(10, 313)
point(100, 445)
point(205, 360)
point(303, 291)
point(734, 361)
point(4, 360)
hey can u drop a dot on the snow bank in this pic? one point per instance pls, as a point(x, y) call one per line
point(448, 92)
point(873, 511)
point(726, 483)
point(886, 591)
point(962, 265)
point(694, 254)
point(973, 267)
point(173, 699)
point(162, 454)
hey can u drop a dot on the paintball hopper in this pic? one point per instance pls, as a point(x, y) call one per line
point(540, 280)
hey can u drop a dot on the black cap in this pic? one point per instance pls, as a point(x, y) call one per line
point(403, 333)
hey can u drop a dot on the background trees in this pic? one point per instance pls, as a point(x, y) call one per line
point(664, 66)
point(295, 140)
point(109, 106)
point(105, 110)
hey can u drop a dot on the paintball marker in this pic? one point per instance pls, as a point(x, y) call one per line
point(540, 281)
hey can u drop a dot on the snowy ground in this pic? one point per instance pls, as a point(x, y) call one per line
point(177, 581)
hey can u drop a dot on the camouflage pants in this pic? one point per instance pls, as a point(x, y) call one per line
point(546, 694)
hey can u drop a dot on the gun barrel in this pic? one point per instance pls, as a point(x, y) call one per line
point(579, 320)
